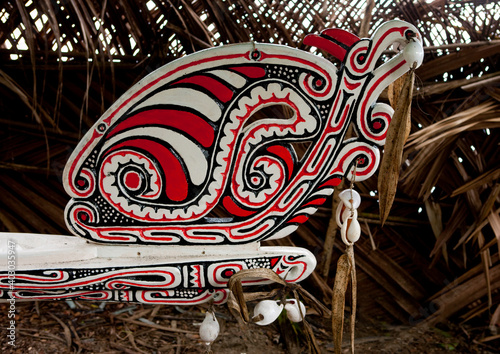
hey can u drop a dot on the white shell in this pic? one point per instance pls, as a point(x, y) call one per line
point(348, 215)
point(338, 217)
point(209, 329)
point(413, 53)
point(270, 309)
point(352, 233)
point(346, 196)
point(344, 215)
point(292, 310)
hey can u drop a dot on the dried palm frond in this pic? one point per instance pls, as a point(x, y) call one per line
point(65, 62)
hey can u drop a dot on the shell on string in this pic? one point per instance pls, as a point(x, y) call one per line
point(293, 312)
point(209, 329)
point(270, 311)
point(347, 216)
point(343, 213)
point(350, 198)
point(351, 230)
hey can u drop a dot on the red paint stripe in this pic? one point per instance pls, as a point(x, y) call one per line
point(356, 150)
point(368, 62)
point(197, 275)
point(367, 99)
point(353, 57)
point(341, 35)
point(304, 267)
point(350, 86)
point(316, 202)
point(107, 120)
point(333, 182)
point(193, 125)
point(110, 238)
point(178, 300)
point(299, 219)
point(72, 170)
point(170, 73)
point(285, 155)
point(326, 91)
point(259, 231)
point(234, 209)
point(325, 44)
point(252, 72)
point(226, 265)
point(100, 279)
point(154, 238)
point(221, 91)
point(61, 296)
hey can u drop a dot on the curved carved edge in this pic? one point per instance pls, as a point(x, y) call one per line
point(157, 297)
point(180, 275)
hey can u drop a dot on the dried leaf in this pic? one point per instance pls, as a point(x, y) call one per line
point(485, 259)
point(477, 117)
point(311, 339)
point(236, 302)
point(489, 204)
point(367, 18)
point(331, 233)
point(446, 63)
point(495, 319)
point(67, 331)
point(435, 218)
point(312, 301)
point(394, 92)
point(494, 220)
point(485, 178)
point(338, 302)
point(462, 293)
point(457, 218)
point(393, 151)
point(354, 286)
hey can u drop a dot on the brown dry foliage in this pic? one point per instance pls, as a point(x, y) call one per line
point(64, 62)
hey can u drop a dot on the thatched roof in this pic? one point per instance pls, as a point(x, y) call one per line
point(64, 62)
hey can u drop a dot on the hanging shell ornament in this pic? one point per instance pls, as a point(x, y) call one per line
point(350, 198)
point(209, 329)
point(270, 311)
point(351, 230)
point(293, 312)
point(347, 216)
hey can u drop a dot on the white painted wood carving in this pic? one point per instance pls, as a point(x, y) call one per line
point(145, 178)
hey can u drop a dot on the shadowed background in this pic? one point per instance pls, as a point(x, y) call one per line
point(64, 62)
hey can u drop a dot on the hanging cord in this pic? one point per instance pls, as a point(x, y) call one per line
point(346, 266)
point(352, 262)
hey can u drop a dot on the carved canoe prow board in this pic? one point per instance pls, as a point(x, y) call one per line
point(145, 178)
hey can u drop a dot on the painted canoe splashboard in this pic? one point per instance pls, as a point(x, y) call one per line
point(184, 141)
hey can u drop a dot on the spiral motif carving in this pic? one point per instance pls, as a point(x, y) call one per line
point(85, 183)
point(258, 174)
point(127, 176)
point(318, 86)
point(187, 140)
point(81, 214)
point(361, 157)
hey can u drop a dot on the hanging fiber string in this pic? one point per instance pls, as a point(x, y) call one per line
point(346, 267)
